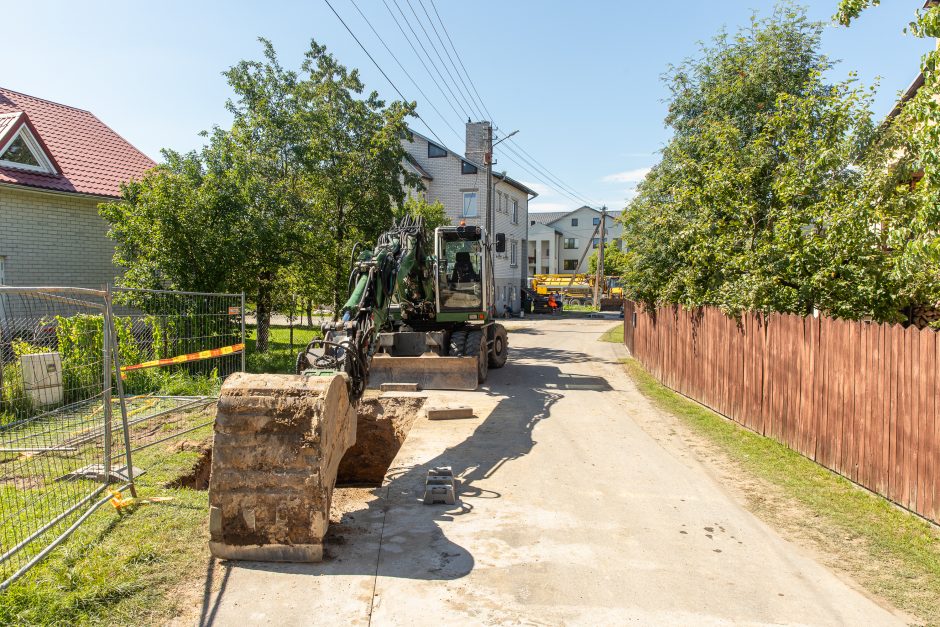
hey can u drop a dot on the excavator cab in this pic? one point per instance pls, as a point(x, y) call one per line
point(461, 269)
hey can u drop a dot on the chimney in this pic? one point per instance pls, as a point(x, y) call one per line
point(479, 135)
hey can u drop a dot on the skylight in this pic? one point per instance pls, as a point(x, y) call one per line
point(25, 153)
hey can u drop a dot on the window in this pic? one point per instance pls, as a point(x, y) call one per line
point(513, 257)
point(595, 242)
point(618, 243)
point(574, 222)
point(571, 243)
point(515, 211)
point(467, 168)
point(571, 265)
point(595, 221)
point(436, 151)
point(25, 153)
point(469, 204)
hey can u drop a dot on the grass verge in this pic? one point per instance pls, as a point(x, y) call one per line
point(122, 567)
point(281, 356)
point(893, 554)
point(614, 334)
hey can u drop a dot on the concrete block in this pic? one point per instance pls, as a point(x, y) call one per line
point(449, 413)
point(400, 387)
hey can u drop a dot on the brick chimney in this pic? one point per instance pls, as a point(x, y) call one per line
point(478, 136)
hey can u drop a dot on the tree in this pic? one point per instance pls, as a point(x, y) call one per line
point(902, 173)
point(615, 261)
point(754, 205)
point(306, 168)
point(433, 213)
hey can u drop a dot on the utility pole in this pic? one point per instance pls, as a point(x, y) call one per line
point(600, 274)
point(488, 162)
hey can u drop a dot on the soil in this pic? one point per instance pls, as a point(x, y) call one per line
point(383, 424)
point(198, 477)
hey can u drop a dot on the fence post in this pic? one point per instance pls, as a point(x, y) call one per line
point(119, 383)
point(106, 391)
point(244, 346)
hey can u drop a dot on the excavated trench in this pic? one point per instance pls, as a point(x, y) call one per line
point(383, 423)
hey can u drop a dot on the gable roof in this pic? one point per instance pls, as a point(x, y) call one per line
point(90, 158)
point(551, 217)
point(496, 175)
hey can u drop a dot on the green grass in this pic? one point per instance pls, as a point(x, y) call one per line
point(280, 357)
point(121, 568)
point(892, 553)
point(613, 334)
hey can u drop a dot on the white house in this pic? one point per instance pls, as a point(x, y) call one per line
point(558, 239)
point(459, 183)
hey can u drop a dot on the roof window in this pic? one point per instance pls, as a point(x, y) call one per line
point(24, 152)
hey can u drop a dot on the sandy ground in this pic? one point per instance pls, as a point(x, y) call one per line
point(579, 504)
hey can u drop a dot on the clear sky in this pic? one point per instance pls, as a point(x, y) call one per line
point(580, 81)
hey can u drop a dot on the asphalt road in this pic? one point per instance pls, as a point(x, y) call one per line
point(570, 512)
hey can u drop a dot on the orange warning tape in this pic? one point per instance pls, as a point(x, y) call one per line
point(182, 359)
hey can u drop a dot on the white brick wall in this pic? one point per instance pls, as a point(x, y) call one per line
point(54, 240)
point(448, 186)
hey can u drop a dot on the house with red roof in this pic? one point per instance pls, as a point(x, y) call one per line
point(57, 163)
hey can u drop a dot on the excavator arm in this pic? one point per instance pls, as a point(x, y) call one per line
point(399, 269)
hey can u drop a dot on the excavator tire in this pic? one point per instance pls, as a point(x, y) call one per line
point(458, 343)
point(476, 347)
point(500, 350)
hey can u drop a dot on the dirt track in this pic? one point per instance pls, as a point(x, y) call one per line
point(576, 506)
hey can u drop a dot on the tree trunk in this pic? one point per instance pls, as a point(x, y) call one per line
point(264, 312)
point(339, 278)
point(309, 312)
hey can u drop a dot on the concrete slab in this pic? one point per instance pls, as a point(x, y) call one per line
point(400, 387)
point(568, 512)
point(449, 413)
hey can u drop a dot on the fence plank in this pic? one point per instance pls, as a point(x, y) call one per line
point(859, 398)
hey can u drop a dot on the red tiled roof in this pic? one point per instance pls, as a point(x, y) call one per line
point(91, 158)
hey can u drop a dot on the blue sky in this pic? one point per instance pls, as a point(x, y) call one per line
point(579, 80)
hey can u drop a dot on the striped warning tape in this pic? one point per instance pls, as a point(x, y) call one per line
point(182, 359)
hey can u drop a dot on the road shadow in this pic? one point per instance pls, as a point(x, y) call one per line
point(408, 536)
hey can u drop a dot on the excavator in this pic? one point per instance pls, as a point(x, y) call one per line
point(410, 300)
point(420, 311)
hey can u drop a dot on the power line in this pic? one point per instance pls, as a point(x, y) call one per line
point(379, 68)
point(436, 52)
point(541, 179)
point(457, 54)
point(449, 58)
point(410, 77)
point(418, 39)
point(548, 173)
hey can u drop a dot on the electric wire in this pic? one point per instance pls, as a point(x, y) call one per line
point(525, 156)
point(457, 54)
point(428, 56)
point(379, 68)
point(467, 101)
point(402, 67)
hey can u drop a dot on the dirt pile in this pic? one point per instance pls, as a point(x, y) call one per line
point(382, 425)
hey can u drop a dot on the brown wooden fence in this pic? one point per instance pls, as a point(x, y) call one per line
point(861, 399)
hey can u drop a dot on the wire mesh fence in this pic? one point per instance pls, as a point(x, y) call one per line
point(87, 378)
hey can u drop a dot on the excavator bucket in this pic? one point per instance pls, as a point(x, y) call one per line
point(430, 372)
point(278, 444)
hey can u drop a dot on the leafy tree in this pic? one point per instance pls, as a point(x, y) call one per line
point(433, 213)
point(903, 173)
point(307, 167)
point(615, 261)
point(754, 205)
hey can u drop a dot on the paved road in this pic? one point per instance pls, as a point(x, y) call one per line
point(571, 513)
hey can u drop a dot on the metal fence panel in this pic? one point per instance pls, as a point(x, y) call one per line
point(69, 423)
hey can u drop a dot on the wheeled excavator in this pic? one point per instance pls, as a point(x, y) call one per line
point(420, 310)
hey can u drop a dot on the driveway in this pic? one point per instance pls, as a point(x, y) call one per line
point(570, 512)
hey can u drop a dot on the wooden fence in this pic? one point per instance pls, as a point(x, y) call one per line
point(861, 399)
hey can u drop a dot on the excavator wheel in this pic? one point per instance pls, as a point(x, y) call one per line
point(500, 350)
point(458, 342)
point(476, 347)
